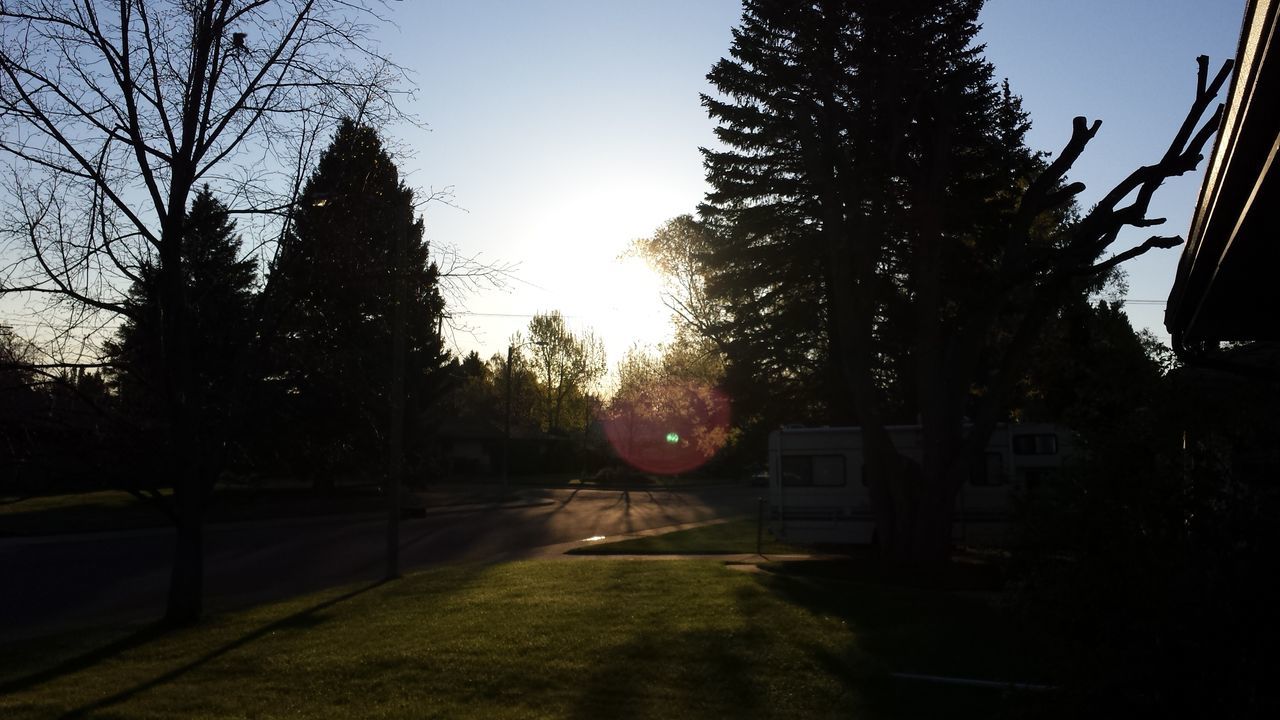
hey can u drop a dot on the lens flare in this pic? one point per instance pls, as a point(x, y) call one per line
point(667, 429)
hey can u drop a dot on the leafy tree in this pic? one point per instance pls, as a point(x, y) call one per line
point(567, 366)
point(330, 294)
point(875, 206)
point(15, 361)
point(20, 402)
point(1090, 371)
point(667, 414)
point(473, 393)
point(526, 396)
point(719, 319)
point(1152, 560)
point(678, 251)
point(479, 390)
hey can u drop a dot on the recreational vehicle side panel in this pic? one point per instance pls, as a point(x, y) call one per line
point(818, 488)
point(817, 492)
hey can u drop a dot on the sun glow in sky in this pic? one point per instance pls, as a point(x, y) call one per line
point(567, 128)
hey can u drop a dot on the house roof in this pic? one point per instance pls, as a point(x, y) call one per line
point(1225, 288)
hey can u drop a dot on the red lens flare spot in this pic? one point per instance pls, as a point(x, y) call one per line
point(668, 429)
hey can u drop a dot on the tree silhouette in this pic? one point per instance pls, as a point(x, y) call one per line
point(876, 200)
point(111, 120)
point(329, 297)
point(567, 364)
point(219, 314)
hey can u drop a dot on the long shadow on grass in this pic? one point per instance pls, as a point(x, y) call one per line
point(665, 671)
point(913, 630)
point(302, 618)
point(84, 661)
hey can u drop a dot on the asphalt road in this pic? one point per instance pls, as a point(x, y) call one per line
point(57, 583)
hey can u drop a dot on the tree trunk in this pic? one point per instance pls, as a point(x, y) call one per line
point(913, 520)
point(186, 583)
point(184, 464)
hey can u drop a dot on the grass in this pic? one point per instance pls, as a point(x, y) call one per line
point(553, 639)
point(81, 512)
point(733, 537)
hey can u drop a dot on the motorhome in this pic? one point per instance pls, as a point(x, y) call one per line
point(818, 486)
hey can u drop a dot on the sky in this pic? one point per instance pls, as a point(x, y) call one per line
point(568, 128)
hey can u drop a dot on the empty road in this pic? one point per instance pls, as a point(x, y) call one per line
point(66, 582)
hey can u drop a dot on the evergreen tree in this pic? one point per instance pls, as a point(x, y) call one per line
point(881, 226)
point(330, 295)
point(220, 295)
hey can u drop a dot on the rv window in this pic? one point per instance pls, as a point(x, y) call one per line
point(813, 470)
point(796, 470)
point(1046, 444)
point(988, 470)
point(828, 470)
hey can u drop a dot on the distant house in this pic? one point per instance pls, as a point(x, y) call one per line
point(472, 447)
point(1226, 287)
point(469, 447)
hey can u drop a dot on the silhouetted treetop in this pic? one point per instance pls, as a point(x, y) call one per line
point(881, 230)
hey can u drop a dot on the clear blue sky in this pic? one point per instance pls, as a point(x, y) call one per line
point(570, 127)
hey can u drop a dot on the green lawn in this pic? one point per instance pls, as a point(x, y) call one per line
point(735, 536)
point(81, 512)
point(576, 639)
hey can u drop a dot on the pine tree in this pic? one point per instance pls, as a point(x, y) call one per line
point(881, 224)
point(220, 293)
point(330, 294)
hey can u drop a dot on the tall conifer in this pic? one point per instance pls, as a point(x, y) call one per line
point(331, 291)
point(220, 293)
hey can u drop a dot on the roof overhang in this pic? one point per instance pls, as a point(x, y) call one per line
point(1227, 286)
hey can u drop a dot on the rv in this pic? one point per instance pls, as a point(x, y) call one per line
point(818, 486)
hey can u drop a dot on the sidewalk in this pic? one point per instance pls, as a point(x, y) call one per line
point(744, 561)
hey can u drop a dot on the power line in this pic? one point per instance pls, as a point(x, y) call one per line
point(523, 316)
point(471, 313)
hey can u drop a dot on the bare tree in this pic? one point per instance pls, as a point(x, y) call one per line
point(111, 113)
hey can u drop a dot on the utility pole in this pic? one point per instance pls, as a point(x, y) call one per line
point(395, 397)
point(506, 426)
